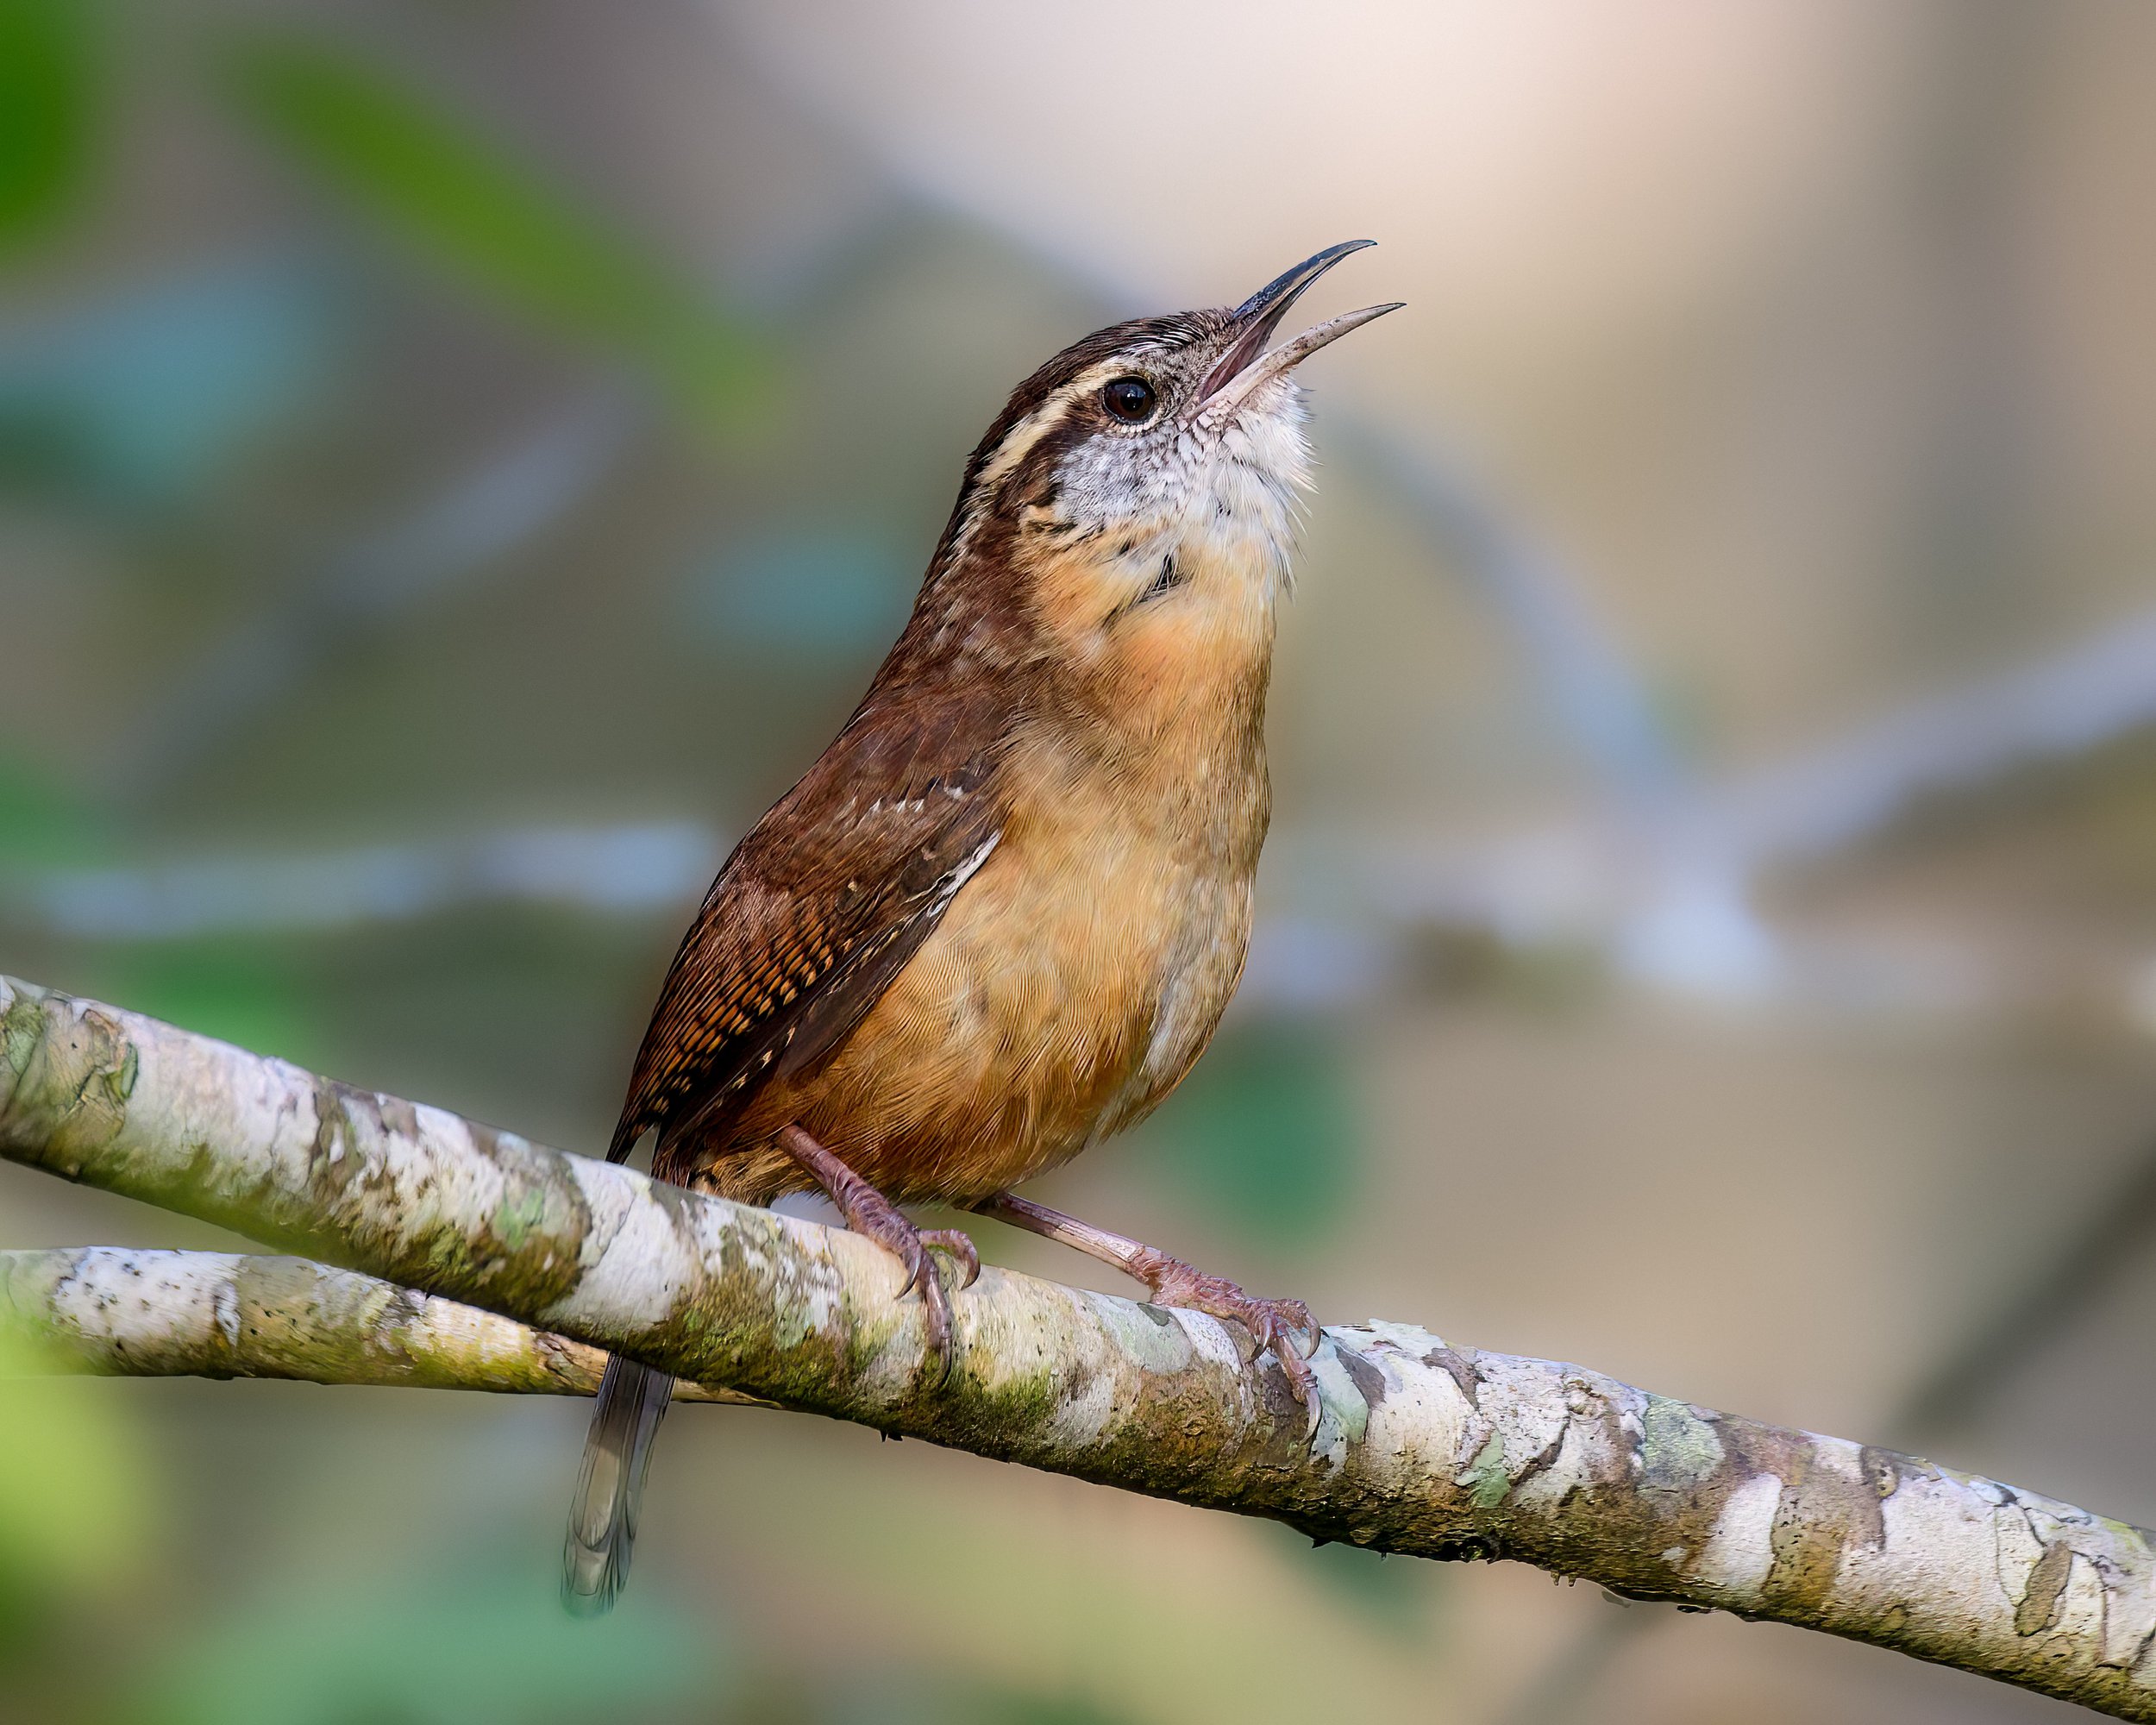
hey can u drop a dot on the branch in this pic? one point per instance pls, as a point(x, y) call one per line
point(1417, 1447)
point(120, 1312)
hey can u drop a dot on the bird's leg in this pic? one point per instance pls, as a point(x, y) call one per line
point(868, 1212)
point(1173, 1282)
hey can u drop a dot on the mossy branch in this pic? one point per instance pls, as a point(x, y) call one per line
point(1417, 1447)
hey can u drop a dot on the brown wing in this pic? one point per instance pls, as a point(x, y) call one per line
point(816, 911)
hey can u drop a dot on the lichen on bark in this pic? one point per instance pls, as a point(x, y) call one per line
point(123, 1311)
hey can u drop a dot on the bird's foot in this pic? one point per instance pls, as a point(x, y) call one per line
point(1271, 1323)
point(875, 1216)
point(868, 1212)
point(1284, 1326)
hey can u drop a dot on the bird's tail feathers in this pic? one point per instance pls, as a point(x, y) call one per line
point(610, 1486)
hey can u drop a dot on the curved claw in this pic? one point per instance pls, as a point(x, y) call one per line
point(921, 1269)
point(937, 1313)
point(1302, 1383)
point(960, 1246)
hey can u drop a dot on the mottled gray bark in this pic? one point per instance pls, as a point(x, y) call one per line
point(1417, 1447)
point(123, 1313)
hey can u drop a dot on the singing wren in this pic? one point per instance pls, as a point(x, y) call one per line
point(999, 917)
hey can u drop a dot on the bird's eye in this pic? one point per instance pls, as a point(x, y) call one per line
point(1131, 400)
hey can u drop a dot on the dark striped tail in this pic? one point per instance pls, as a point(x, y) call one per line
point(610, 1487)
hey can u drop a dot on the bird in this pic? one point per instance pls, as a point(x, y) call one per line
point(999, 918)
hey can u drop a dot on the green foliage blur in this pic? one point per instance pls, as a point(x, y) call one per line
point(457, 1646)
point(77, 1495)
point(507, 229)
point(1237, 1135)
point(50, 102)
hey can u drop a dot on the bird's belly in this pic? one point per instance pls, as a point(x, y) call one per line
point(1069, 989)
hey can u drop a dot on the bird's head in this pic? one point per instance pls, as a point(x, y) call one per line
point(1147, 472)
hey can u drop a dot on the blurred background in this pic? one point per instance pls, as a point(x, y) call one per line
point(459, 461)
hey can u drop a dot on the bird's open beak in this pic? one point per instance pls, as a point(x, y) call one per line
point(1259, 315)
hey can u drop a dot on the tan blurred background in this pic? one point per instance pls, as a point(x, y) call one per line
point(458, 460)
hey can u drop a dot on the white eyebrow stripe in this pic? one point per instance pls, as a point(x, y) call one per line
point(1025, 437)
point(1022, 438)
